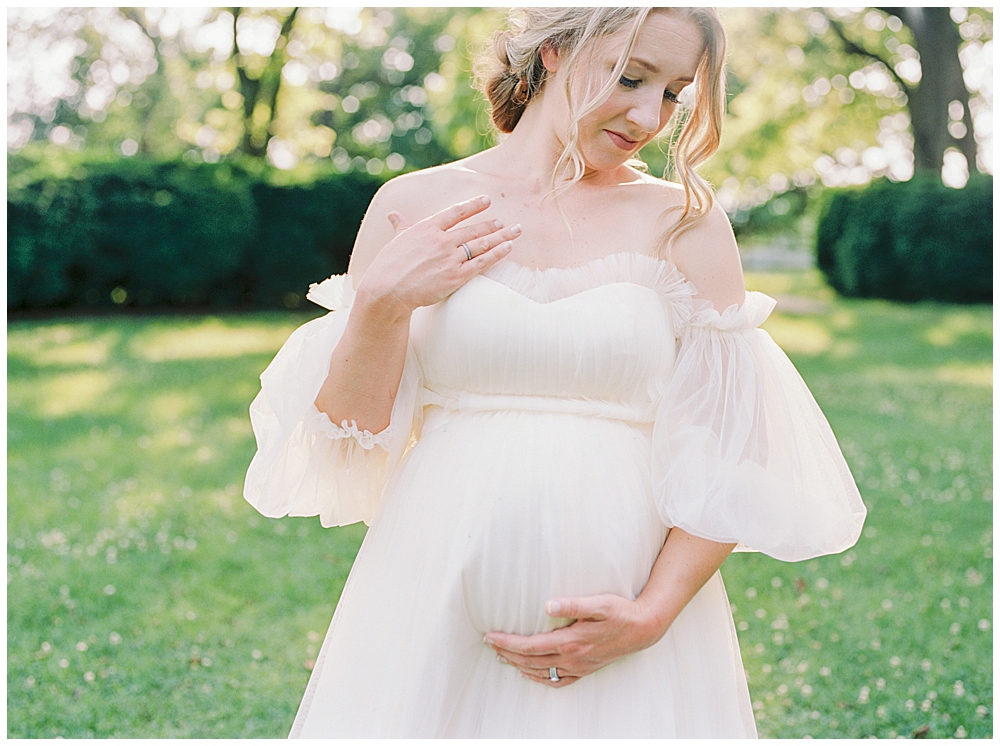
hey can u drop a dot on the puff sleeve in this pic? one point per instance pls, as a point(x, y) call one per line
point(741, 451)
point(305, 464)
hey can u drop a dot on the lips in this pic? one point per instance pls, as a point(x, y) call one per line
point(621, 141)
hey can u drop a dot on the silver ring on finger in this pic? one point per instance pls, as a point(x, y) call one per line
point(468, 253)
point(553, 674)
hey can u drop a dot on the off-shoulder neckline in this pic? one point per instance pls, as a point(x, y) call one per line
point(599, 260)
point(550, 284)
point(621, 268)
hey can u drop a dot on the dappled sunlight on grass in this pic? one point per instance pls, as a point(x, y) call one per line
point(63, 345)
point(843, 349)
point(955, 325)
point(91, 352)
point(71, 393)
point(173, 406)
point(980, 376)
point(239, 427)
point(969, 375)
point(210, 338)
point(246, 389)
point(803, 284)
point(127, 531)
point(805, 336)
point(843, 320)
point(896, 374)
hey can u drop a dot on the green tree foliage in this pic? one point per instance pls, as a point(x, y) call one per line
point(404, 93)
point(807, 109)
point(378, 91)
point(817, 98)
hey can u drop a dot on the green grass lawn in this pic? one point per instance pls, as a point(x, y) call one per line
point(147, 599)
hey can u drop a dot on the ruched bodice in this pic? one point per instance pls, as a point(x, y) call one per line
point(543, 340)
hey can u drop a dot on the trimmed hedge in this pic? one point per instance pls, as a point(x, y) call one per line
point(910, 241)
point(173, 234)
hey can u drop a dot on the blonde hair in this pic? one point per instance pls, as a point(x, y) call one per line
point(515, 73)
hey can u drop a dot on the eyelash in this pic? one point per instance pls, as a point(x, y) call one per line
point(668, 95)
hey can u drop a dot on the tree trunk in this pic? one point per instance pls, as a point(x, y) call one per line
point(156, 90)
point(937, 41)
point(261, 91)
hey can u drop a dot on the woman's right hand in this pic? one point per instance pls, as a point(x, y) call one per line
point(425, 262)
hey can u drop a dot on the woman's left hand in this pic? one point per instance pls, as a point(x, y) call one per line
point(606, 628)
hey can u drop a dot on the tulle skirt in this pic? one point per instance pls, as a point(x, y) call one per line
point(490, 515)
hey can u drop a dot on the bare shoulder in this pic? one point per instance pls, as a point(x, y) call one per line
point(419, 194)
point(651, 202)
point(415, 196)
point(648, 187)
point(707, 255)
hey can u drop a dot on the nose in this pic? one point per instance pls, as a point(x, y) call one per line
point(645, 113)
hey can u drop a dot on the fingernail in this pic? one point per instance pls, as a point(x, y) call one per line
point(501, 659)
point(498, 223)
point(516, 230)
point(507, 246)
point(486, 200)
point(488, 641)
point(552, 607)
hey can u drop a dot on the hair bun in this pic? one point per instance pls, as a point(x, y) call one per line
point(503, 84)
point(500, 41)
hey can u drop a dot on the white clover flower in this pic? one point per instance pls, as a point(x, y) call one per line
point(333, 294)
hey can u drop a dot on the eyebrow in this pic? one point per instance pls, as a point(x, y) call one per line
point(648, 65)
point(654, 69)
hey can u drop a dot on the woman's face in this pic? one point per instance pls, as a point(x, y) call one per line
point(663, 62)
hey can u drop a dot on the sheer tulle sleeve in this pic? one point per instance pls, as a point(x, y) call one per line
point(305, 464)
point(742, 452)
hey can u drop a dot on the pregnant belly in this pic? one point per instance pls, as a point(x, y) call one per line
point(541, 505)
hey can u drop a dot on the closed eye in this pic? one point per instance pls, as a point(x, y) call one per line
point(631, 83)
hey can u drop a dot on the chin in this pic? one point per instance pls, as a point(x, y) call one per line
point(606, 162)
point(608, 159)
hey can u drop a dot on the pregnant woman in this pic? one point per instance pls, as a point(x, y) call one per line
point(542, 385)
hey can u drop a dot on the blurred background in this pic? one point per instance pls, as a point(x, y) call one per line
point(239, 147)
point(177, 177)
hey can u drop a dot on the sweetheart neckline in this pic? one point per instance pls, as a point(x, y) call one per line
point(599, 260)
point(552, 284)
point(337, 292)
point(670, 283)
point(533, 301)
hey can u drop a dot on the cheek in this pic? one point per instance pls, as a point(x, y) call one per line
point(665, 114)
point(595, 121)
point(611, 109)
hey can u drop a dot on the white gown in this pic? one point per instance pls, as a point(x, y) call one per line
point(550, 426)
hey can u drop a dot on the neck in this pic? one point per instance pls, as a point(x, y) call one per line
point(533, 149)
